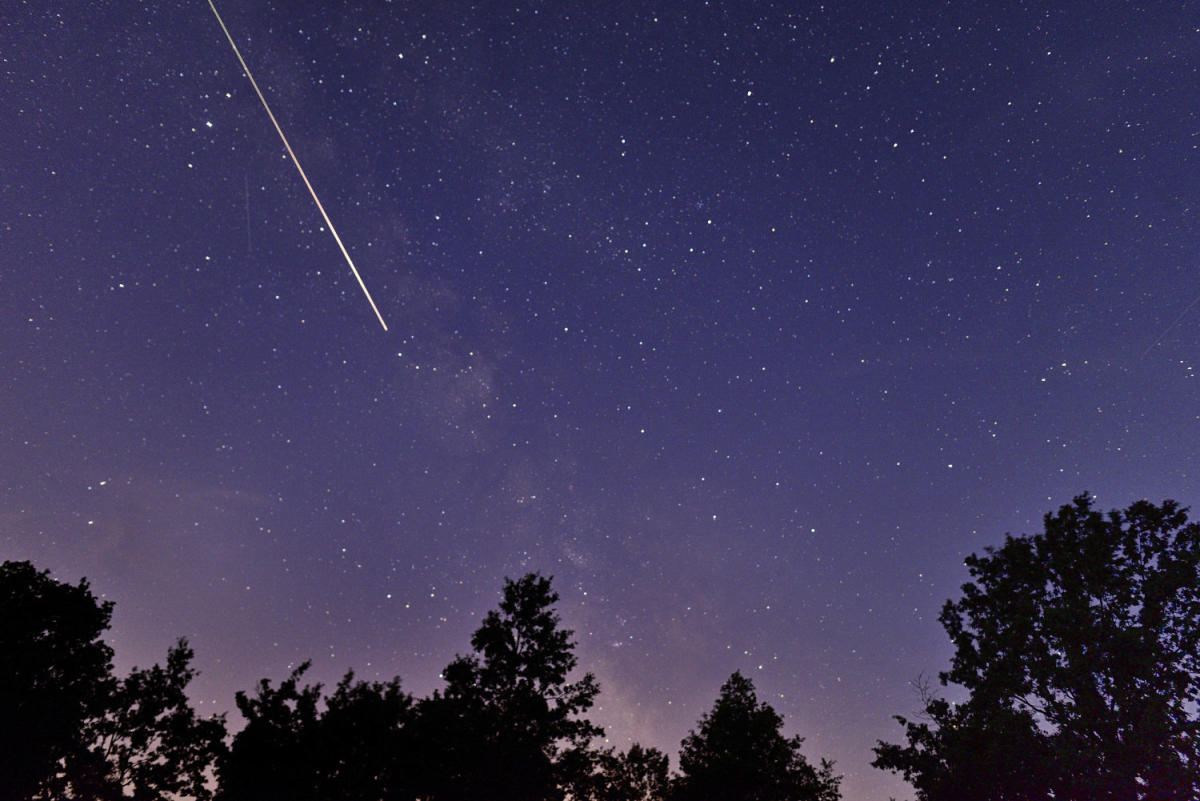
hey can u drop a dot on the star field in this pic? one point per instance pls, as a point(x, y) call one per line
point(745, 321)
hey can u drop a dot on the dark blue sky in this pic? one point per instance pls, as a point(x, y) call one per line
point(747, 322)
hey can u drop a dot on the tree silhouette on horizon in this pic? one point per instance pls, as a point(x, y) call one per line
point(291, 749)
point(500, 729)
point(69, 728)
point(738, 753)
point(1079, 648)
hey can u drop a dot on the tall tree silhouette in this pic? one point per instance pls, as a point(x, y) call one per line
point(508, 714)
point(1079, 649)
point(739, 753)
point(55, 674)
point(68, 727)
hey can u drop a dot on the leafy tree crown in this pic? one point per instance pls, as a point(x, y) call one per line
point(1079, 648)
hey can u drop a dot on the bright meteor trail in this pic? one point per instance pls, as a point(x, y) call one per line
point(299, 169)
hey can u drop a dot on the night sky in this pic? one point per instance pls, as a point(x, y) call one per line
point(745, 321)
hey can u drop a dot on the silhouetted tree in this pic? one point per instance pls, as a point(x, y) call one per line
point(638, 774)
point(507, 716)
point(367, 736)
point(68, 727)
point(55, 675)
point(272, 756)
point(1079, 649)
point(149, 743)
point(739, 753)
point(971, 751)
point(291, 749)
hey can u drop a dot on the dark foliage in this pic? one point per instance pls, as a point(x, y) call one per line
point(639, 774)
point(739, 753)
point(291, 749)
point(971, 751)
point(55, 674)
point(149, 742)
point(369, 742)
point(1078, 648)
point(508, 715)
point(68, 727)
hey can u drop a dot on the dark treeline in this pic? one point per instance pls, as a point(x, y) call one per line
point(1077, 654)
point(509, 725)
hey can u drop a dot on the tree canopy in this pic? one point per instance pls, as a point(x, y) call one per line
point(636, 774)
point(69, 728)
point(507, 725)
point(358, 746)
point(508, 714)
point(739, 753)
point(1078, 650)
point(56, 673)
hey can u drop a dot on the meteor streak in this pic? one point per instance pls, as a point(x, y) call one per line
point(1174, 322)
point(299, 169)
